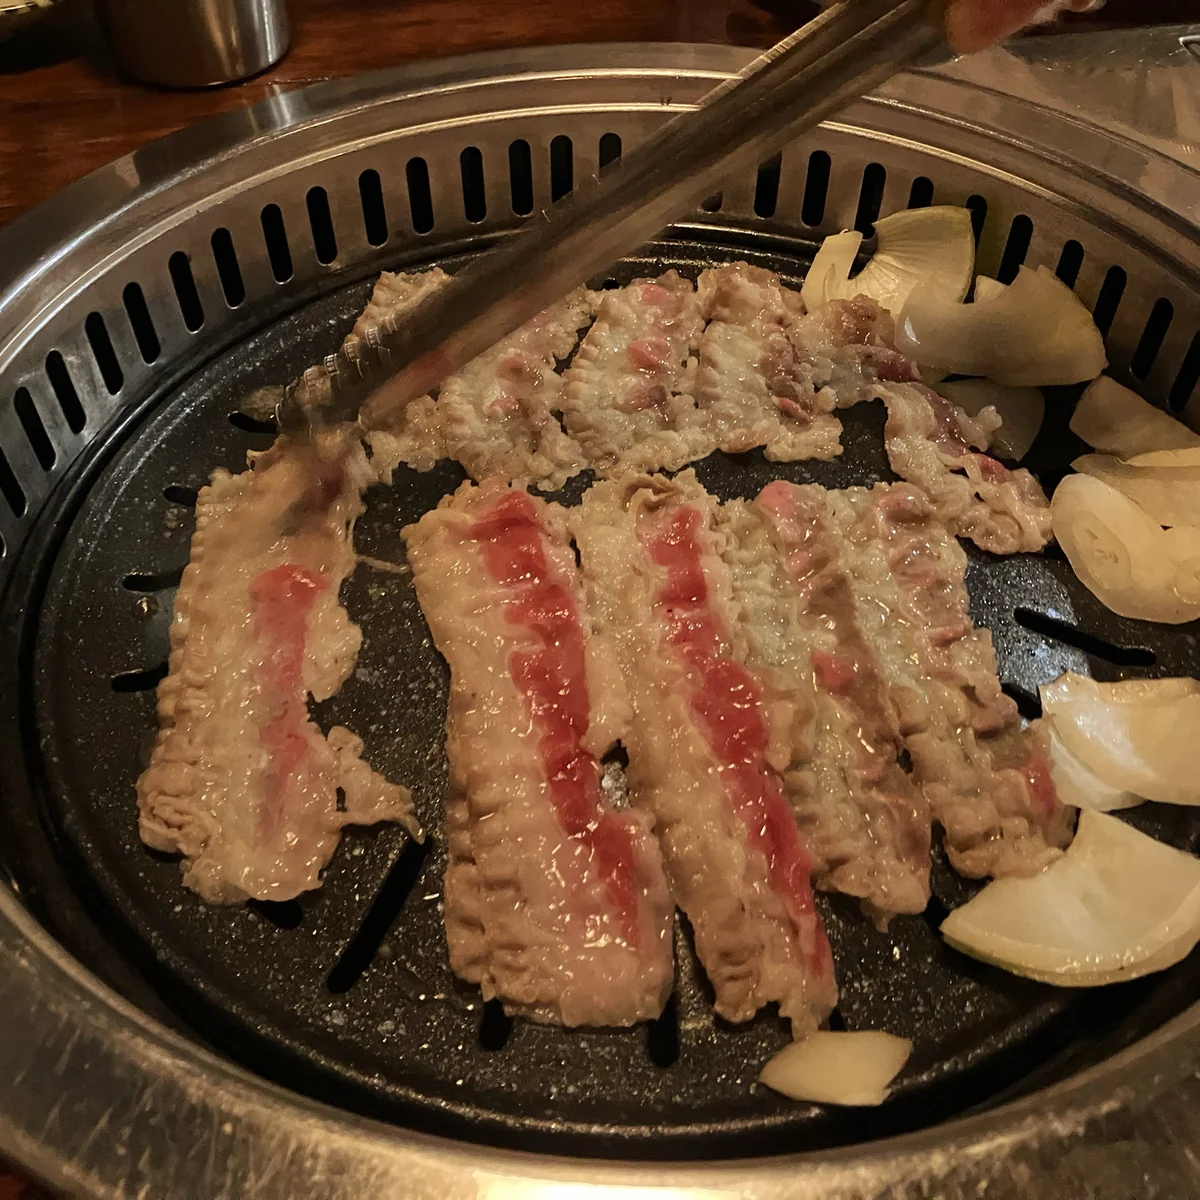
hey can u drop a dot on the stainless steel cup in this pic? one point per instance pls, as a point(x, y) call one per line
point(195, 43)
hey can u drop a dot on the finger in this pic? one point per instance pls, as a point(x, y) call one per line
point(973, 25)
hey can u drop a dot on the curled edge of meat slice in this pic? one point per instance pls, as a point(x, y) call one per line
point(930, 442)
point(240, 781)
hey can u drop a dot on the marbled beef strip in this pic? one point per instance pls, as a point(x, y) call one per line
point(240, 781)
point(699, 745)
point(986, 778)
point(554, 902)
point(866, 822)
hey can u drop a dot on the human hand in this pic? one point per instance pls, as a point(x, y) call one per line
point(976, 24)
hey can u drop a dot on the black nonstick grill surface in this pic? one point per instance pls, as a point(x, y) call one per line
point(346, 993)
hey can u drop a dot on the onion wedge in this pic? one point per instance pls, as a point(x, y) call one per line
point(1169, 494)
point(1078, 785)
point(1115, 420)
point(1186, 457)
point(853, 1068)
point(1071, 689)
point(1123, 557)
point(1147, 743)
point(930, 249)
point(1032, 334)
point(987, 288)
point(1116, 906)
point(1020, 409)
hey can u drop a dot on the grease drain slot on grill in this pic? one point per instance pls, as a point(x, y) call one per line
point(346, 993)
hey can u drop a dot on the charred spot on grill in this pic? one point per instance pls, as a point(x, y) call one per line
point(360, 951)
point(1054, 627)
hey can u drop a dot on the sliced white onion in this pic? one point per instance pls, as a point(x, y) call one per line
point(1032, 334)
point(1123, 557)
point(987, 288)
point(1171, 495)
point(1071, 689)
point(1116, 906)
point(930, 249)
point(1187, 457)
point(1020, 409)
point(1078, 785)
point(827, 1067)
point(1115, 420)
point(1147, 744)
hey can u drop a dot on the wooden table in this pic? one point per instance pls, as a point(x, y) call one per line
point(65, 110)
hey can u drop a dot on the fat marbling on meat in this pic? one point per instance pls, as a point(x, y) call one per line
point(699, 745)
point(240, 781)
point(987, 779)
point(751, 385)
point(555, 902)
point(867, 824)
point(627, 394)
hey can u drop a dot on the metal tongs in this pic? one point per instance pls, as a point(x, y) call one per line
point(845, 52)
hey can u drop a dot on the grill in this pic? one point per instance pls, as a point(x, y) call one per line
point(142, 306)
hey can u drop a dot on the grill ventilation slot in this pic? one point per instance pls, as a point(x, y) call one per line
point(1109, 299)
point(103, 352)
point(816, 188)
point(1071, 635)
point(186, 294)
point(370, 193)
point(381, 916)
point(870, 199)
point(1188, 377)
point(320, 221)
point(920, 195)
point(420, 198)
point(562, 167)
point(609, 150)
point(275, 236)
point(470, 165)
point(141, 323)
point(35, 431)
point(64, 391)
point(1150, 343)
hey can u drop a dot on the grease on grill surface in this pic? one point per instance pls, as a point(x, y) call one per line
point(303, 996)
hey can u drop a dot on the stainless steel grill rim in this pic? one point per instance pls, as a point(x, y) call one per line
point(101, 310)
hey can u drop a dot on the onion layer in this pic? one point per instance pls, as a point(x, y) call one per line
point(1032, 334)
point(1078, 785)
point(1146, 741)
point(932, 249)
point(852, 1068)
point(1115, 420)
point(1116, 906)
point(1123, 557)
point(1168, 494)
